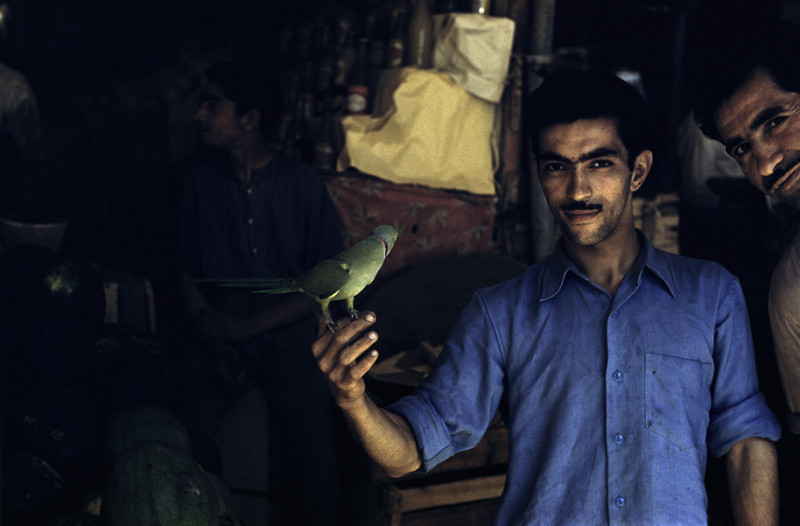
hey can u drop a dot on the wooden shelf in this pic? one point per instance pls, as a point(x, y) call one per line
point(465, 487)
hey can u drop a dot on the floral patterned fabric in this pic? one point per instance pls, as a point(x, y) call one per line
point(433, 223)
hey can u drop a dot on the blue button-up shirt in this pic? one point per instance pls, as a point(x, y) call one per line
point(611, 402)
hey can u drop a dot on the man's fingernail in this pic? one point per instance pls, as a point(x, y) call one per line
point(372, 335)
point(370, 317)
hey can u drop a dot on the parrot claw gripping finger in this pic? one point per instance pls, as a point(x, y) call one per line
point(353, 314)
point(331, 325)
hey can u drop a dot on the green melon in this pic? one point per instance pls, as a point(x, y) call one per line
point(223, 494)
point(156, 483)
point(138, 424)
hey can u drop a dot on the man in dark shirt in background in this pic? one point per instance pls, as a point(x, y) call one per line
point(254, 212)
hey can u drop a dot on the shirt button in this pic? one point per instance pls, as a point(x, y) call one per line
point(619, 501)
point(250, 221)
point(615, 314)
point(617, 375)
point(249, 191)
point(255, 250)
point(619, 439)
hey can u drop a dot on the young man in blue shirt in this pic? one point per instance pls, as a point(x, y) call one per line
point(254, 212)
point(619, 365)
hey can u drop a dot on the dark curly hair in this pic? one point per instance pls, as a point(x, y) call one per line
point(251, 86)
point(726, 60)
point(567, 96)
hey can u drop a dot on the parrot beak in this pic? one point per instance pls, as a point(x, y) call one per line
point(388, 235)
point(385, 247)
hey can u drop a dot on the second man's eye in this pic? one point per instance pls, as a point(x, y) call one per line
point(552, 167)
point(739, 150)
point(601, 163)
point(774, 122)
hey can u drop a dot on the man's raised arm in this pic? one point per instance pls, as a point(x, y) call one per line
point(344, 357)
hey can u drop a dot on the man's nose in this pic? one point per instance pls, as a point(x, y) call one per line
point(579, 187)
point(768, 155)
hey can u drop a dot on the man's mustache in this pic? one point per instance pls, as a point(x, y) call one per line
point(580, 205)
point(770, 180)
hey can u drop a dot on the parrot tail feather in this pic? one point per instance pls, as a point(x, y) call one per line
point(270, 286)
point(278, 290)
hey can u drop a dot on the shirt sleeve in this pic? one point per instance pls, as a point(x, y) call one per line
point(784, 305)
point(454, 406)
point(738, 408)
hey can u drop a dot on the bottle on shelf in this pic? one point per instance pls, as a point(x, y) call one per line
point(445, 6)
point(358, 83)
point(395, 45)
point(298, 142)
point(325, 59)
point(341, 73)
point(481, 6)
point(378, 35)
point(328, 142)
point(420, 36)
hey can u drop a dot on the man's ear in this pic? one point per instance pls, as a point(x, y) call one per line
point(251, 120)
point(641, 169)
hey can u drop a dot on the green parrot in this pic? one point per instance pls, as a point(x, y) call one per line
point(340, 278)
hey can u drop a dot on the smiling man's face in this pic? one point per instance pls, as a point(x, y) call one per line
point(586, 178)
point(760, 128)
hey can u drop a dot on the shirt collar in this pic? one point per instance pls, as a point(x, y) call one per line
point(258, 174)
point(556, 267)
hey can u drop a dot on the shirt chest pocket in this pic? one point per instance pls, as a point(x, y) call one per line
point(677, 399)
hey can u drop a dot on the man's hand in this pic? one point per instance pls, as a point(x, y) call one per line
point(229, 368)
point(344, 357)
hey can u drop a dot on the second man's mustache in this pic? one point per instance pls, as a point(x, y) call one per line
point(770, 180)
point(580, 205)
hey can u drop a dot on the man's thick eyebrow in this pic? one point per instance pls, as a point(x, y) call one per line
point(593, 154)
point(765, 115)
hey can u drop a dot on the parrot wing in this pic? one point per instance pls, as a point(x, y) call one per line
point(365, 259)
point(325, 280)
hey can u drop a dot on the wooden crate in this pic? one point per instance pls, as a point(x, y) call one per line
point(462, 490)
point(459, 498)
point(478, 513)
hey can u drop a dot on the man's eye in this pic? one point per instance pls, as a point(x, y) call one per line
point(774, 122)
point(553, 167)
point(740, 149)
point(601, 163)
